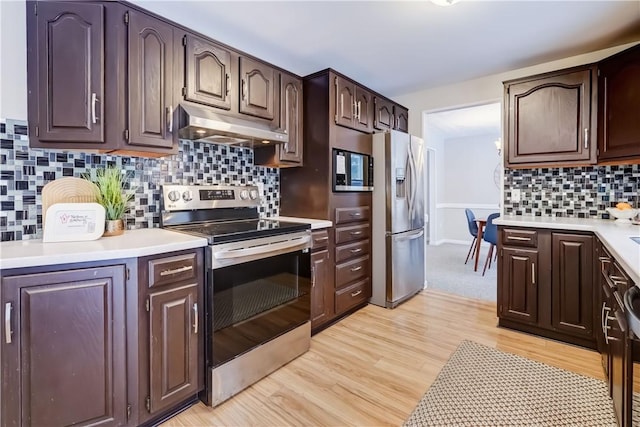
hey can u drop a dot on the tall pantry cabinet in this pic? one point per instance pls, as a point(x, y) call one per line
point(338, 113)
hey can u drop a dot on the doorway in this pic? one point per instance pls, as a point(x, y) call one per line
point(465, 171)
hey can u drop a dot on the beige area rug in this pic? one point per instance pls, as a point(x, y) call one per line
point(482, 386)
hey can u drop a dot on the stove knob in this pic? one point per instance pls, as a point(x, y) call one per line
point(174, 195)
point(244, 194)
point(187, 196)
point(253, 194)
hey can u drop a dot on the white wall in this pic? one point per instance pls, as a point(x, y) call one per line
point(465, 168)
point(13, 66)
point(483, 90)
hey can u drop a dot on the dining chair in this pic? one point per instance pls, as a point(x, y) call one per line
point(473, 230)
point(490, 236)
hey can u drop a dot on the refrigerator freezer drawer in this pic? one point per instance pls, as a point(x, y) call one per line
point(404, 266)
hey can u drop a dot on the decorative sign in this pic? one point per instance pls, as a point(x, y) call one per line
point(73, 222)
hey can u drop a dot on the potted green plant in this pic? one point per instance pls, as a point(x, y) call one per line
point(113, 197)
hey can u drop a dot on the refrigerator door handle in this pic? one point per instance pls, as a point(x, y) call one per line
point(412, 236)
point(412, 192)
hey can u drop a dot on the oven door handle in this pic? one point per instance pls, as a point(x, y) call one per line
point(297, 243)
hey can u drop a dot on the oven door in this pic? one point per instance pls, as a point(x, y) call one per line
point(257, 290)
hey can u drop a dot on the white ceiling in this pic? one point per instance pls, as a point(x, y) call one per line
point(465, 122)
point(395, 47)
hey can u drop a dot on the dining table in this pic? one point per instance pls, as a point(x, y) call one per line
point(481, 222)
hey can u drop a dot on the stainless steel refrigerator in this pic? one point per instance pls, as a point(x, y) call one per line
point(398, 218)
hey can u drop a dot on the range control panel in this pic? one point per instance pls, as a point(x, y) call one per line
point(194, 197)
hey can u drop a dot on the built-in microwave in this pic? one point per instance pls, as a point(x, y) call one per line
point(352, 171)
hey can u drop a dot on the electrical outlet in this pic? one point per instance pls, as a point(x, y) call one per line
point(260, 186)
point(515, 195)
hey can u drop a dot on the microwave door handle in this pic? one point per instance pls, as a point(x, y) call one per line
point(297, 243)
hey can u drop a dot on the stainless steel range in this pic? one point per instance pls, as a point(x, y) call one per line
point(258, 278)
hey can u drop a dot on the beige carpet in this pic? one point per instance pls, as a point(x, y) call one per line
point(482, 386)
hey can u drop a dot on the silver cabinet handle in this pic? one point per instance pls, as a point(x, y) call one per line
point(320, 239)
point(358, 268)
point(603, 316)
point(8, 307)
point(586, 138)
point(356, 293)
point(355, 233)
point(523, 239)
point(313, 277)
point(170, 118)
point(605, 323)
point(226, 82)
point(604, 259)
point(533, 273)
point(243, 89)
point(176, 270)
point(195, 317)
point(355, 251)
point(94, 100)
point(359, 109)
point(355, 214)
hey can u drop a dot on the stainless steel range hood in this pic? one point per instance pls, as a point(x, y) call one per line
point(204, 124)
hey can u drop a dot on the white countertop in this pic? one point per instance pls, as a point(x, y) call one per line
point(616, 237)
point(315, 223)
point(131, 244)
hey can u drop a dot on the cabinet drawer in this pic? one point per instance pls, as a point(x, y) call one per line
point(352, 233)
point(164, 271)
point(319, 239)
point(352, 250)
point(353, 295)
point(361, 213)
point(518, 237)
point(352, 270)
point(618, 279)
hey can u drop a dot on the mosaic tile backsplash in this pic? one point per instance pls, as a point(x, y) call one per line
point(581, 192)
point(24, 171)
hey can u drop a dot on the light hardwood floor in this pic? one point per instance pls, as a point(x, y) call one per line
point(372, 368)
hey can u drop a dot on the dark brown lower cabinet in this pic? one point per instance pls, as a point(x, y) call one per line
point(64, 348)
point(171, 331)
point(321, 287)
point(572, 284)
point(546, 285)
point(519, 300)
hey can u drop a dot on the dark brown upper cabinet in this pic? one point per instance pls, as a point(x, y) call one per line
point(619, 107)
point(354, 105)
point(551, 119)
point(383, 114)
point(402, 118)
point(258, 82)
point(209, 78)
point(150, 76)
point(291, 153)
point(66, 47)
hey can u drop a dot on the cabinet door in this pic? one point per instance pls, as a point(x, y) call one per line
point(619, 104)
point(208, 73)
point(619, 366)
point(173, 346)
point(150, 81)
point(549, 120)
point(257, 89)
point(572, 284)
point(65, 362)
point(517, 286)
point(69, 65)
point(320, 270)
point(364, 110)
point(345, 102)
point(383, 114)
point(291, 118)
point(402, 118)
